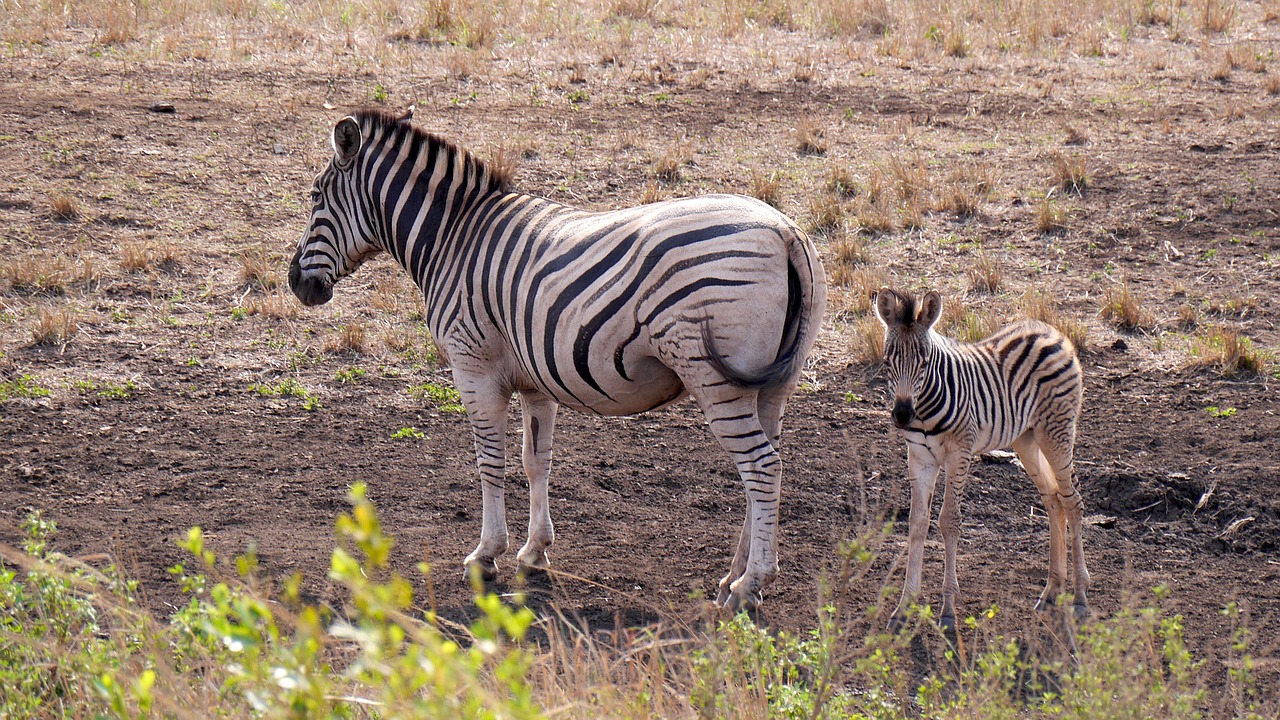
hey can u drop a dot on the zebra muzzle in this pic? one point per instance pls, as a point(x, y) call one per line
point(310, 289)
point(902, 413)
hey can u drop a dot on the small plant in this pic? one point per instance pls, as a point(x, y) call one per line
point(378, 94)
point(853, 397)
point(667, 167)
point(825, 213)
point(1229, 352)
point(22, 386)
point(259, 270)
point(446, 399)
point(1217, 412)
point(351, 375)
point(349, 337)
point(840, 181)
point(1050, 217)
point(408, 433)
point(577, 97)
point(986, 275)
point(64, 207)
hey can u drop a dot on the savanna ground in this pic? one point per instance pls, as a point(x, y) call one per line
point(1112, 167)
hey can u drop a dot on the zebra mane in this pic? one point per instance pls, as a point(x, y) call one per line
point(400, 129)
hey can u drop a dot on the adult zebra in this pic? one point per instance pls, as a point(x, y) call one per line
point(954, 400)
point(719, 297)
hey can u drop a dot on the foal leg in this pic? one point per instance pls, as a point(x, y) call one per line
point(923, 468)
point(1059, 456)
point(1033, 462)
point(958, 464)
point(539, 415)
point(487, 411)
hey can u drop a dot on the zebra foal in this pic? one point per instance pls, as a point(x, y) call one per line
point(1021, 387)
point(613, 313)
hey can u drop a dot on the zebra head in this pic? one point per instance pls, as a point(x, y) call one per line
point(340, 235)
point(906, 345)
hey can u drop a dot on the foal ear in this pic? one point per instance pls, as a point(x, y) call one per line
point(346, 140)
point(930, 309)
point(408, 114)
point(886, 306)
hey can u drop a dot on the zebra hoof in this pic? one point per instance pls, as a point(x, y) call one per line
point(947, 623)
point(480, 571)
point(897, 621)
point(742, 599)
point(1081, 611)
point(530, 564)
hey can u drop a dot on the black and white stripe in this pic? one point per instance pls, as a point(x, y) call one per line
point(1019, 388)
point(613, 313)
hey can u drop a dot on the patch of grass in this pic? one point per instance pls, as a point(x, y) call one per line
point(810, 137)
point(986, 274)
point(45, 274)
point(825, 213)
point(349, 338)
point(668, 167)
point(767, 187)
point(1038, 305)
point(839, 181)
point(1229, 353)
point(22, 386)
point(141, 256)
point(279, 305)
point(445, 398)
point(1216, 16)
point(1123, 311)
point(1070, 172)
point(54, 325)
point(1050, 217)
point(106, 389)
point(64, 207)
point(258, 269)
point(867, 341)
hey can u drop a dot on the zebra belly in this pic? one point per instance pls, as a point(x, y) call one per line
point(652, 385)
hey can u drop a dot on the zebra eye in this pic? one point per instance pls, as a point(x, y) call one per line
point(315, 197)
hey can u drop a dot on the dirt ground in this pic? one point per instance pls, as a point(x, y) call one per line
point(1182, 202)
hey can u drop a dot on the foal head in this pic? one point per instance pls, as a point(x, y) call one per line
point(906, 344)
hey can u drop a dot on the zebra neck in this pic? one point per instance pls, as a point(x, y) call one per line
point(427, 210)
point(943, 382)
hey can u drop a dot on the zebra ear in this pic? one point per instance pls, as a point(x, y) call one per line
point(930, 309)
point(408, 114)
point(886, 308)
point(346, 139)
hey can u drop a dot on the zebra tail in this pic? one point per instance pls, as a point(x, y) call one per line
point(805, 303)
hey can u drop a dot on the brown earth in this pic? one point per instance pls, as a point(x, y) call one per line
point(1182, 201)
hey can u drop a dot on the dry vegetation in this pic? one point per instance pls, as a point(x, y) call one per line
point(1020, 157)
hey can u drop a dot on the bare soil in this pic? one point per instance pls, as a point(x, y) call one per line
point(1182, 201)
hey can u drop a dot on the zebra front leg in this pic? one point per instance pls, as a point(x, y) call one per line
point(923, 468)
point(539, 414)
point(959, 461)
point(487, 411)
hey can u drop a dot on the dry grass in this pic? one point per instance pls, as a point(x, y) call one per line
point(258, 269)
point(866, 343)
point(1070, 172)
point(964, 323)
point(825, 213)
point(140, 256)
point(42, 274)
point(1272, 83)
point(839, 181)
point(633, 9)
point(54, 325)
point(967, 186)
point(653, 192)
point(279, 305)
point(986, 274)
point(810, 137)
point(1050, 217)
point(1038, 305)
point(1216, 16)
point(767, 187)
point(668, 167)
point(348, 338)
point(1123, 311)
point(847, 254)
point(1226, 351)
point(398, 338)
point(63, 206)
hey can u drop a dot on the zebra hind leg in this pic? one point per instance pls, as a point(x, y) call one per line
point(1033, 461)
point(539, 414)
point(1060, 459)
point(734, 421)
point(770, 405)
